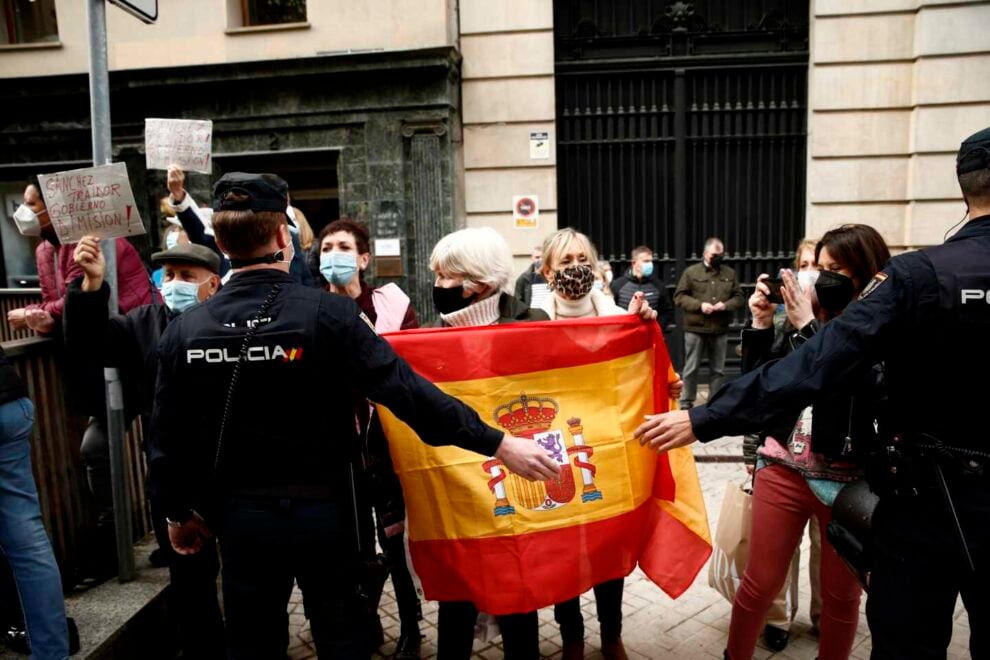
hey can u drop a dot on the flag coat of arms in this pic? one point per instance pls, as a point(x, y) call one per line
point(578, 389)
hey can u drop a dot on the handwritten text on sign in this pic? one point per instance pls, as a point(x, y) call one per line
point(93, 201)
point(184, 142)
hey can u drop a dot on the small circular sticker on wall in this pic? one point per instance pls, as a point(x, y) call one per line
point(526, 211)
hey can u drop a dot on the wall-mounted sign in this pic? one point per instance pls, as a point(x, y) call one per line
point(387, 247)
point(526, 211)
point(539, 145)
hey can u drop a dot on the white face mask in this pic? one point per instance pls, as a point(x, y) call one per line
point(27, 221)
point(807, 278)
point(288, 253)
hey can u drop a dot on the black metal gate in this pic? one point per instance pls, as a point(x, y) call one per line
point(678, 121)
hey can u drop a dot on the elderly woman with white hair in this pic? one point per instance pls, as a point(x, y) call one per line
point(473, 268)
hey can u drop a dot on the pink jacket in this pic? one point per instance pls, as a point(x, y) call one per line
point(56, 269)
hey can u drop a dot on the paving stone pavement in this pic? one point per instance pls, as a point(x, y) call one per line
point(654, 626)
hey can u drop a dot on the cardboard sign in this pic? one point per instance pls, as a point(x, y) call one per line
point(526, 211)
point(93, 201)
point(187, 143)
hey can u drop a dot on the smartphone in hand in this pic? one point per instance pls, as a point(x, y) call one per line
point(774, 284)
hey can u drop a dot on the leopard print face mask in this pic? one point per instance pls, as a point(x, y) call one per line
point(574, 282)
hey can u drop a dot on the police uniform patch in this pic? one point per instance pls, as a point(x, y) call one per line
point(877, 280)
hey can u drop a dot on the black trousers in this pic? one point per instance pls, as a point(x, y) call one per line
point(410, 611)
point(919, 571)
point(455, 632)
point(608, 599)
point(95, 451)
point(192, 595)
point(265, 545)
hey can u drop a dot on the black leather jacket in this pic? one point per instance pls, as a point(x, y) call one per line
point(844, 421)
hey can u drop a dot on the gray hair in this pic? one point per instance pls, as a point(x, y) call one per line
point(712, 241)
point(477, 254)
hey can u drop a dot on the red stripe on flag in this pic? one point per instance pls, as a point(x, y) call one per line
point(664, 484)
point(507, 575)
point(456, 354)
point(673, 571)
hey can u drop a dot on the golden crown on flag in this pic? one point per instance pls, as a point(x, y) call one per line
point(527, 415)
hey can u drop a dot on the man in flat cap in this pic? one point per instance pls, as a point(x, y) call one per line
point(926, 318)
point(243, 454)
point(129, 343)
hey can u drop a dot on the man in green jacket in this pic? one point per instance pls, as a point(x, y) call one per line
point(708, 293)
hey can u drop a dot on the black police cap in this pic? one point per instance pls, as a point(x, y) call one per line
point(974, 153)
point(261, 192)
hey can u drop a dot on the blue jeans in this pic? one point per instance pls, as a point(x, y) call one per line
point(24, 540)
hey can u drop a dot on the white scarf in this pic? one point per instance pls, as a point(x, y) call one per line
point(595, 303)
point(483, 312)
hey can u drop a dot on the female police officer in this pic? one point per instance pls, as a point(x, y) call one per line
point(927, 317)
point(231, 455)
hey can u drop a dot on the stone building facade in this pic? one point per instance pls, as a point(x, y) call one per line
point(895, 86)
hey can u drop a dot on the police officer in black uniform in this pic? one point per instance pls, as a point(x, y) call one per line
point(926, 317)
point(254, 427)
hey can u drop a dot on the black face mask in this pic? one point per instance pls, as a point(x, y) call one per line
point(716, 260)
point(448, 301)
point(834, 291)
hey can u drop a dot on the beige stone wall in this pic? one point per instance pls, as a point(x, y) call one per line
point(192, 32)
point(895, 86)
point(507, 93)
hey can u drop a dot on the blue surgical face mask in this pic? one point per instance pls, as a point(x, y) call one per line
point(648, 269)
point(598, 285)
point(171, 240)
point(180, 296)
point(338, 268)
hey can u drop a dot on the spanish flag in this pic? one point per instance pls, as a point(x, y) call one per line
point(579, 389)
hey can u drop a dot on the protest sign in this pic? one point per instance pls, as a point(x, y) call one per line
point(184, 142)
point(94, 201)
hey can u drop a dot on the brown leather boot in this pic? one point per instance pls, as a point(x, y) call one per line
point(614, 650)
point(573, 650)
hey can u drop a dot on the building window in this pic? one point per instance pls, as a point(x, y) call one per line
point(27, 22)
point(272, 12)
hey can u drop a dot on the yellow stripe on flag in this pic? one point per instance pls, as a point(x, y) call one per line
point(608, 398)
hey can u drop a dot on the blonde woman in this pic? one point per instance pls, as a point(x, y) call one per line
point(603, 278)
point(569, 265)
